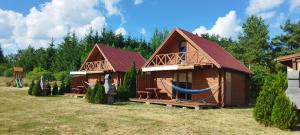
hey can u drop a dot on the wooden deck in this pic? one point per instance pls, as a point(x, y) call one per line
point(170, 103)
point(75, 95)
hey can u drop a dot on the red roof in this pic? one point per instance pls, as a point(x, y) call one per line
point(121, 60)
point(216, 52)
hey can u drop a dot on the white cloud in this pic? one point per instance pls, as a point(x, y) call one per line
point(121, 31)
point(263, 8)
point(137, 2)
point(143, 31)
point(111, 7)
point(294, 4)
point(227, 26)
point(267, 15)
point(51, 19)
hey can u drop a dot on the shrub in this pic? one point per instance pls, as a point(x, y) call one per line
point(8, 72)
point(36, 91)
point(62, 88)
point(61, 76)
point(8, 83)
point(48, 89)
point(122, 94)
point(284, 115)
point(273, 85)
point(68, 85)
point(128, 88)
point(89, 95)
point(55, 89)
point(4, 67)
point(99, 94)
point(36, 73)
point(31, 87)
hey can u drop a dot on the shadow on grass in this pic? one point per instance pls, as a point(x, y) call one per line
point(125, 103)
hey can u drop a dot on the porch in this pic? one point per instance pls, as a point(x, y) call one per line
point(178, 103)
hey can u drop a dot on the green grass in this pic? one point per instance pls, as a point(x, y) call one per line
point(23, 114)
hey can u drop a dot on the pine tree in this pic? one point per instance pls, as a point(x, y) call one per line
point(48, 89)
point(55, 89)
point(128, 88)
point(2, 58)
point(62, 88)
point(37, 90)
point(31, 87)
point(99, 94)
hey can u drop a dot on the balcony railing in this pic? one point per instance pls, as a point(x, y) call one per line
point(184, 58)
point(96, 66)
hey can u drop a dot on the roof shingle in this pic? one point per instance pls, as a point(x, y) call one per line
point(121, 60)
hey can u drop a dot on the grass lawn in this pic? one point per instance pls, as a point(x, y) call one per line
point(23, 114)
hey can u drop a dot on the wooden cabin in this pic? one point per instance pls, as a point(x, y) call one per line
point(104, 60)
point(190, 62)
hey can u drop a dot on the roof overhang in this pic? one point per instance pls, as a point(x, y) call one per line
point(78, 73)
point(166, 68)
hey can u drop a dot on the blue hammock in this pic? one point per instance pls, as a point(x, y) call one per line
point(189, 91)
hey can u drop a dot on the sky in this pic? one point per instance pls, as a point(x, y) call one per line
point(35, 22)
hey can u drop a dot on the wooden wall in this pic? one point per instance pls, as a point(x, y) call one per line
point(236, 88)
point(116, 77)
point(77, 81)
point(204, 78)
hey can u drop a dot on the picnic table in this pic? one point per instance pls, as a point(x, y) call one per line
point(148, 91)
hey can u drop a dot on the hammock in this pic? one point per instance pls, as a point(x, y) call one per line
point(189, 91)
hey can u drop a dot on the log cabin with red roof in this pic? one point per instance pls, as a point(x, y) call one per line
point(104, 60)
point(187, 70)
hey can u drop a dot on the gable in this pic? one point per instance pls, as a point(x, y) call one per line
point(169, 49)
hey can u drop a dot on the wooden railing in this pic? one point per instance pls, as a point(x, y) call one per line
point(96, 66)
point(186, 58)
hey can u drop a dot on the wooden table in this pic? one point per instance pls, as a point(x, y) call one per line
point(155, 90)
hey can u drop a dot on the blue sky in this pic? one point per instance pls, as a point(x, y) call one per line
point(36, 22)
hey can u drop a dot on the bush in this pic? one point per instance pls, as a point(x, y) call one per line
point(48, 89)
point(89, 95)
point(284, 115)
point(62, 88)
point(122, 94)
point(31, 87)
point(61, 76)
point(8, 83)
point(128, 88)
point(99, 94)
point(36, 73)
point(36, 91)
point(4, 67)
point(68, 85)
point(8, 72)
point(55, 89)
point(265, 101)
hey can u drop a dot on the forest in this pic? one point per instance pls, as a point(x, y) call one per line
point(254, 48)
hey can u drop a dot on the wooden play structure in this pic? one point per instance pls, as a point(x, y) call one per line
point(18, 75)
point(101, 61)
point(187, 70)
